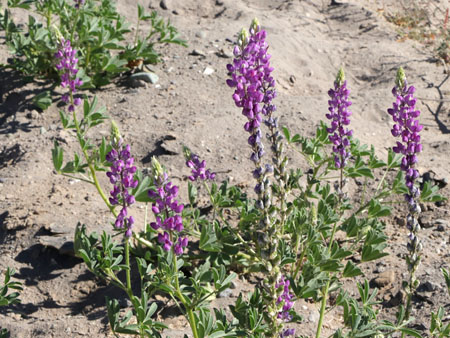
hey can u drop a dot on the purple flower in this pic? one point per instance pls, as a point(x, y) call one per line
point(66, 64)
point(167, 210)
point(287, 333)
point(79, 3)
point(339, 115)
point(199, 170)
point(121, 175)
point(254, 85)
point(407, 128)
point(285, 299)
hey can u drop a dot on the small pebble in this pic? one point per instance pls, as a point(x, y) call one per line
point(225, 293)
point(208, 71)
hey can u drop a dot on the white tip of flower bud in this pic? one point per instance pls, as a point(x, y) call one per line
point(255, 25)
point(400, 79)
point(340, 77)
point(157, 168)
point(115, 133)
point(243, 37)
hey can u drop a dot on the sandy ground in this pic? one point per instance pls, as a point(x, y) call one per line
point(309, 41)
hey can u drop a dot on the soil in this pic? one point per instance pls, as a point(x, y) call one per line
point(309, 41)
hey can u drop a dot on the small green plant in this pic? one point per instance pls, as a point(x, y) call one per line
point(95, 28)
point(8, 298)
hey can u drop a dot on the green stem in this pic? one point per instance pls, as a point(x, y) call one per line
point(382, 180)
point(322, 308)
point(88, 160)
point(127, 262)
point(137, 31)
point(180, 296)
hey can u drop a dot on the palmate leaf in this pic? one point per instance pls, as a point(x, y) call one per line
point(145, 183)
point(351, 270)
point(208, 239)
point(43, 100)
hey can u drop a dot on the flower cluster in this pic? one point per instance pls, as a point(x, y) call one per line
point(199, 170)
point(66, 62)
point(251, 76)
point(339, 115)
point(122, 177)
point(408, 128)
point(167, 212)
point(286, 300)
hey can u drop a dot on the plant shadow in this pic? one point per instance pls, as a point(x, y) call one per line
point(16, 97)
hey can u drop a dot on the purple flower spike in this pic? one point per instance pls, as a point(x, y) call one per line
point(406, 127)
point(254, 85)
point(66, 63)
point(339, 115)
point(121, 175)
point(199, 171)
point(167, 211)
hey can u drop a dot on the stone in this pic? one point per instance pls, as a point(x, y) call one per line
point(58, 229)
point(43, 130)
point(385, 278)
point(201, 34)
point(313, 317)
point(33, 115)
point(208, 71)
point(426, 220)
point(224, 53)
point(148, 77)
point(163, 5)
point(197, 52)
point(427, 287)
point(227, 293)
point(60, 243)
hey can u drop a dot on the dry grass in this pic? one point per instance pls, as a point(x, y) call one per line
point(423, 21)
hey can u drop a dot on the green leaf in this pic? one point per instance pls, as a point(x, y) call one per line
point(43, 100)
point(351, 270)
point(140, 193)
point(430, 193)
point(57, 156)
point(208, 239)
point(287, 135)
point(410, 332)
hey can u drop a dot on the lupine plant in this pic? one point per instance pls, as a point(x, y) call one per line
point(300, 233)
point(94, 28)
point(6, 297)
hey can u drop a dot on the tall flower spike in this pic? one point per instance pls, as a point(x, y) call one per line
point(407, 128)
point(167, 211)
point(121, 175)
point(66, 63)
point(339, 115)
point(254, 90)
